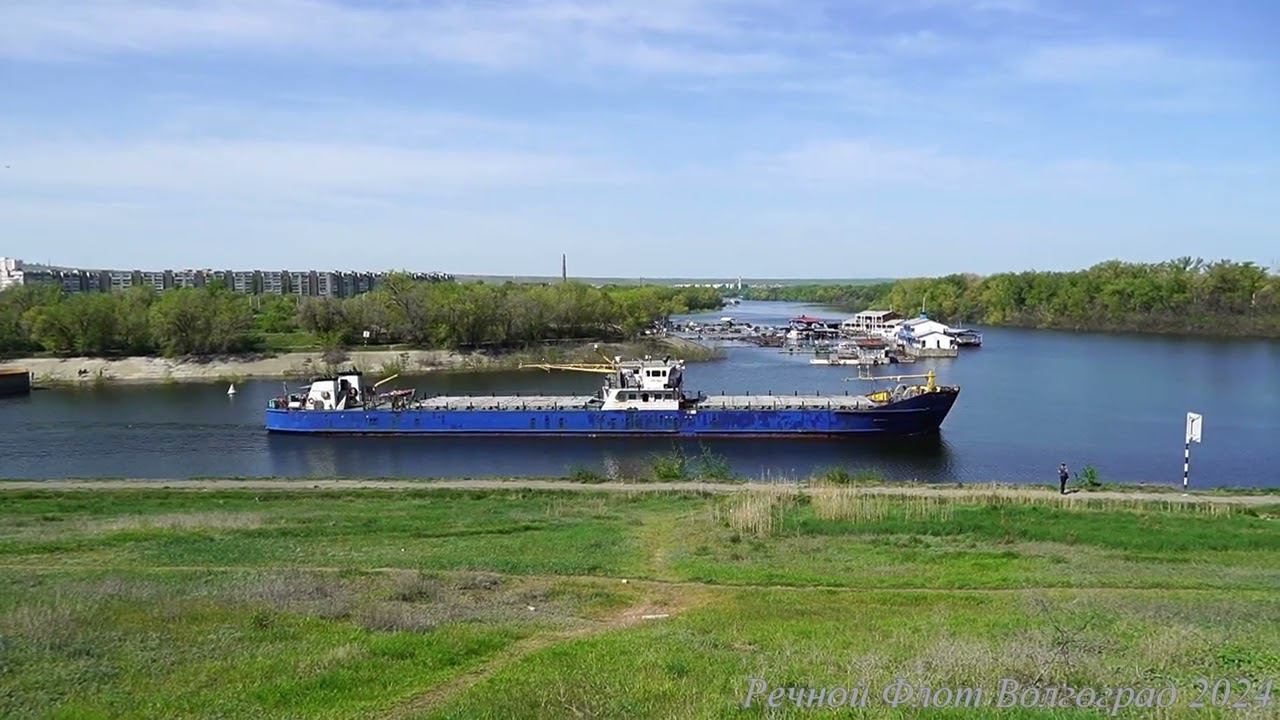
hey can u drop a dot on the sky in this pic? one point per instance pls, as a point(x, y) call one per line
point(656, 138)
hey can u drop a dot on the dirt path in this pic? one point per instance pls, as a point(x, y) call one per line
point(651, 609)
point(975, 492)
point(662, 592)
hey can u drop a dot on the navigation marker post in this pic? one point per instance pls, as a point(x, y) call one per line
point(1195, 425)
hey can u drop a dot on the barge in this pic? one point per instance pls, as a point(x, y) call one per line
point(637, 397)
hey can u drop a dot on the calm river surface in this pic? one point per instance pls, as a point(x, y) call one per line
point(1030, 399)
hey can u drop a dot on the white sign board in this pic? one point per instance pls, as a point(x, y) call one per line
point(1195, 423)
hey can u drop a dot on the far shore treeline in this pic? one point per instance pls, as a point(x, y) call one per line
point(1186, 295)
point(212, 320)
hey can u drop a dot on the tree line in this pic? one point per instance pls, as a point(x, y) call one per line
point(214, 320)
point(1185, 295)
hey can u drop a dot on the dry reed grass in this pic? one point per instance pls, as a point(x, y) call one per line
point(991, 496)
point(758, 511)
point(836, 502)
point(318, 594)
point(53, 624)
point(180, 521)
point(396, 617)
point(994, 495)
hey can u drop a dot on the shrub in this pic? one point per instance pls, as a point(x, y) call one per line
point(841, 476)
point(415, 587)
point(713, 465)
point(671, 466)
point(582, 474)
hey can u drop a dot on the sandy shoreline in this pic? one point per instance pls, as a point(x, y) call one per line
point(230, 368)
point(89, 370)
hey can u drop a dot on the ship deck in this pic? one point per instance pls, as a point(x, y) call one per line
point(785, 402)
point(583, 402)
point(504, 402)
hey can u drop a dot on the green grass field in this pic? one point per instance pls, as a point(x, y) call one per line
point(502, 604)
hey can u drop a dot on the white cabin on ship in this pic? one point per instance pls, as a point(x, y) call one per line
point(338, 393)
point(644, 385)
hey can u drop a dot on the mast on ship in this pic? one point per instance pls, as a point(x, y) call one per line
point(610, 365)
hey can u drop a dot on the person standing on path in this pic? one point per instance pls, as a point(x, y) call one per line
point(1063, 475)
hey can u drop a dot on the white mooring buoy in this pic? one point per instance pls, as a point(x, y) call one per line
point(232, 389)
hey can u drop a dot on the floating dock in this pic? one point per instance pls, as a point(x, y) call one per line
point(14, 381)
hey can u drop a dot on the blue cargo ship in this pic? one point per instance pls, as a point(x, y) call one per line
point(638, 397)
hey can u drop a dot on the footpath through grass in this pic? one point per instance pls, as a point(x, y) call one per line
point(516, 603)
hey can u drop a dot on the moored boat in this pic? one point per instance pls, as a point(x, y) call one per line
point(965, 337)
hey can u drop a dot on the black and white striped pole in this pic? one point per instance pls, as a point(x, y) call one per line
point(1195, 424)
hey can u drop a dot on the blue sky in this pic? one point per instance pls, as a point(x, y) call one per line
point(654, 138)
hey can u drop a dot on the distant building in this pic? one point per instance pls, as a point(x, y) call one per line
point(328, 285)
point(272, 282)
point(244, 281)
point(11, 273)
point(308, 283)
point(300, 284)
point(158, 280)
point(72, 282)
point(116, 280)
point(921, 333)
point(14, 272)
point(868, 322)
point(188, 278)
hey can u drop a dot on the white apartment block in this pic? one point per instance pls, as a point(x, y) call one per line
point(10, 272)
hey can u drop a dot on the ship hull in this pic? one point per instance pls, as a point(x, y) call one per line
point(919, 415)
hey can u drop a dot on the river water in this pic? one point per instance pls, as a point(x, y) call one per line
point(1030, 399)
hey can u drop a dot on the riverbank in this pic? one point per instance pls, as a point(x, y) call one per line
point(230, 368)
point(975, 493)
point(514, 602)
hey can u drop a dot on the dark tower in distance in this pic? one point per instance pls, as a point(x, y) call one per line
point(564, 268)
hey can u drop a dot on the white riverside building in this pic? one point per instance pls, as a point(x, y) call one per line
point(875, 323)
point(927, 337)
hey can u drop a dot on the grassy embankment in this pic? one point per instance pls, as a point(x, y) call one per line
point(513, 603)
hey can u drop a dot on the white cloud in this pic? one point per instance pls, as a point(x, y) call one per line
point(1143, 75)
point(859, 164)
point(669, 36)
point(1114, 62)
point(871, 163)
point(977, 7)
point(313, 171)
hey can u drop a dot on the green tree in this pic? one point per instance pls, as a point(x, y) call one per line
point(84, 324)
point(133, 323)
point(201, 321)
point(276, 313)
